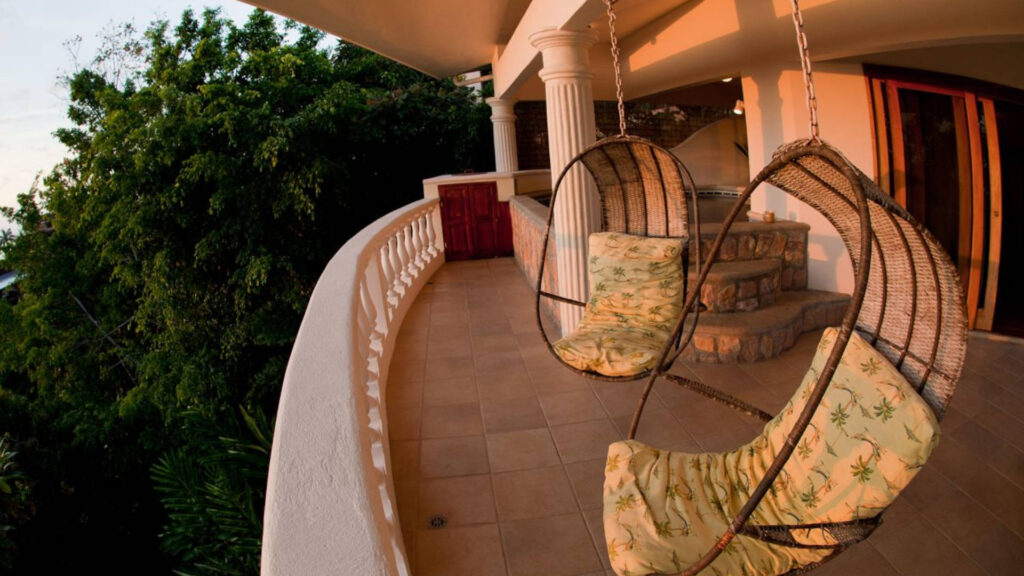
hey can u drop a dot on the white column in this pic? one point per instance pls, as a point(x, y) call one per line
point(571, 128)
point(503, 119)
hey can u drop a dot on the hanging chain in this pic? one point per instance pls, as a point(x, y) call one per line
point(618, 71)
point(805, 62)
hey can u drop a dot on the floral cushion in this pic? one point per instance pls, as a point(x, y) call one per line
point(636, 293)
point(868, 438)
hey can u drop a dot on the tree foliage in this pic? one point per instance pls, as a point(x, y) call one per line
point(166, 263)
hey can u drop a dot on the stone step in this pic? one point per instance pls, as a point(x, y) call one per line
point(782, 240)
point(764, 333)
point(740, 286)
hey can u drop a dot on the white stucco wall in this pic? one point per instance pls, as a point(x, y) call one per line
point(776, 113)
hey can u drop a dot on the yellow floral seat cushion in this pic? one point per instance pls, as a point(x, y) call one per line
point(636, 293)
point(868, 438)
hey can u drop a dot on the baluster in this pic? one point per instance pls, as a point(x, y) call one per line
point(368, 315)
point(410, 249)
point(378, 283)
point(419, 241)
point(397, 267)
point(431, 232)
point(362, 338)
point(388, 273)
point(412, 241)
point(424, 220)
point(403, 258)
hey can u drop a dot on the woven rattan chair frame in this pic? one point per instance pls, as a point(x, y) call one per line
point(643, 190)
point(907, 302)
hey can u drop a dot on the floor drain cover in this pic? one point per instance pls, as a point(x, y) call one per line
point(436, 522)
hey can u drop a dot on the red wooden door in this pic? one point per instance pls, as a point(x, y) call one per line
point(455, 211)
point(475, 224)
point(484, 206)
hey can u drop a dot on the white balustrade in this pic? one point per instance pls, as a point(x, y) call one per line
point(330, 505)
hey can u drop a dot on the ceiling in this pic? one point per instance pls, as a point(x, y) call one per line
point(667, 44)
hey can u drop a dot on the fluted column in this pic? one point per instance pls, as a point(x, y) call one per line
point(503, 119)
point(571, 128)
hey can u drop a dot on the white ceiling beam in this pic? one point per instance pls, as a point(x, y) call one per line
point(519, 59)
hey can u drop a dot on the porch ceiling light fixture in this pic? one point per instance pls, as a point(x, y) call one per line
point(727, 79)
point(739, 108)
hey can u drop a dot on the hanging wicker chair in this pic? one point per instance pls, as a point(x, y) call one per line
point(902, 343)
point(907, 305)
point(643, 191)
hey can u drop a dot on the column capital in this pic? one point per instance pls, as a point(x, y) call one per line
point(565, 53)
point(502, 109)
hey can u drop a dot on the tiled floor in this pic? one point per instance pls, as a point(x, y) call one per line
point(491, 433)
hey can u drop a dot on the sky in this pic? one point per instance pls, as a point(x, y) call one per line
point(33, 34)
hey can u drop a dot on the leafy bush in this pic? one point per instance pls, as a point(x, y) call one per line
point(166, 263)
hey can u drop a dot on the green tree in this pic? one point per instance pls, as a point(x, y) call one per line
point(167, 261)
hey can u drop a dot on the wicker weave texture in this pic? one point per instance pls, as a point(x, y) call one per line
point(913, 309)
point(642, 187)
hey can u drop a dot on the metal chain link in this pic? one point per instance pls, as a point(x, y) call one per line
point(618, 71)
point(805, 63)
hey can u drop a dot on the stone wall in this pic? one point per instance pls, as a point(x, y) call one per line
point(529, 222)
point(784, 240)
point(665, 125)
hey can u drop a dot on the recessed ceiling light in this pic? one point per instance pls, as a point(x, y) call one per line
point(727, 80)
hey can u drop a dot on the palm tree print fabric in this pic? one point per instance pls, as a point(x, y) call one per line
point(868, 438)
point(636, 298)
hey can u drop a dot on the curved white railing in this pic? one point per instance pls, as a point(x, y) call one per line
point(330, 497)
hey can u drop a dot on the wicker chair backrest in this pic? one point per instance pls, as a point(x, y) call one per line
point(913, 309)
point(642, 187)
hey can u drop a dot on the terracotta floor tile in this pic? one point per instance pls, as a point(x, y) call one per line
point(404, 370)
point(452, 420)
point(411, 349)
point(587, 480)
point(962, 516)
point(490, 343)
point(955, 461)
point(521, 449)
point(512, 414)
point(499, 362)
point(443, 368)
point(553, 546)
point(861, 559)
point(449, 322)
point(449, 391)
point(453, 306)
point(568, 407)
point(1009, 461)
point(405, 460)
point(621, 398)
point(705, 418)
point(1000, 496)
point(1002, 424)
point(995, 549)
point(404, 423)
point(725, 441)
point(556, 379)
point(595, 524)
point(460, 551)
point(918, 549)
point(407, 501)
point(442, 457)
point(584, 440)
point(490, 328)
point(505, 386)
point(928, 487)
point(404, 395)
point(450, 347)
point(462, 500)
point(533, 493)
point(659, 429)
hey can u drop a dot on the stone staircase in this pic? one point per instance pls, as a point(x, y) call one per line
point(755, 297)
